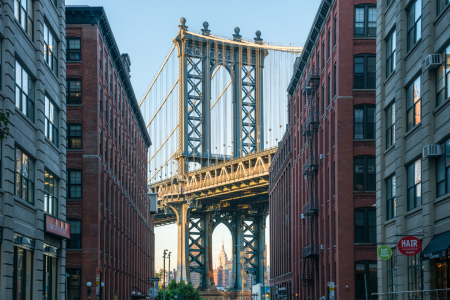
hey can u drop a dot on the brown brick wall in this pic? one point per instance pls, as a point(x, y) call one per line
point(114, 236)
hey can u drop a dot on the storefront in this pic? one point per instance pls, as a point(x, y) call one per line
point(438, 251)
point(55, 231)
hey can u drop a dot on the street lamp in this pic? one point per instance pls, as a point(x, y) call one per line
point(89, 289)
point(164, 284)
point(169, 266)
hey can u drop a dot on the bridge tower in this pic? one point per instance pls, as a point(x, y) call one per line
point(199, 55)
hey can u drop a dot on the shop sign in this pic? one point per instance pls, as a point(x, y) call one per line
point(384, 252)
point(409, 246)
point(57, 227)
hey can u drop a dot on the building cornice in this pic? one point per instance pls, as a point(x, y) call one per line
point(97, 16)
point(302, 61)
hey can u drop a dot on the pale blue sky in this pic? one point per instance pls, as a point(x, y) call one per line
point(145, 29)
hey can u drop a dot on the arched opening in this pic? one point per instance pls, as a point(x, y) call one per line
point(221, 106)
point(222, 257)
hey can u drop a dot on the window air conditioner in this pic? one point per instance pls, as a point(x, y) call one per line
point(433, 61)
point(322, 247)
point(153, 197)
point(302, 216)
point(432, 151)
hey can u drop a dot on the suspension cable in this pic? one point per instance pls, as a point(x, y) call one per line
point(223, 92)
point(170, 92)
point(163, 143)
point(160, 168)
point(157, 75)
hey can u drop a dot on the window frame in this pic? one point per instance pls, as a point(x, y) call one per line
point(367, 83)
point(328, 90)
point(360, 284)
point(365, 122)
point(70, 184)
point(391, 47)
point(329, 43)
point(75, 235)
point(365, 22)
point(73, 287)
point(415, 266)
point(70, 137)
point(334, 80)
point(50, 266)
point(323, 55)
point(443, 166)
point(24, 100)
point(369, 231)
point(412, 25)
point(414, 185)
point(29, 181)
point(391, 205)
point(411, 108)
point(390, 126)
point(443, 93)
point(391, 277)
point(51, 126)
point(51, 205)
point(441, 4)
point(29, 16)
point(50, 54)
point(69, 50)
point(26, 272)
point(365, 173)
point(335, 29)
point(69, 91)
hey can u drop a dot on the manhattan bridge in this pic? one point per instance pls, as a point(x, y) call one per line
point(215, 111)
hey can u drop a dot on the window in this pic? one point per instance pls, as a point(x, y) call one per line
point(443, 171)
point(323, 99)
point(106, 69)
point(365, 270)
point(24, 92)
point(365, 225)
point(73, 49)
point(318, 61)
point(110, 82)
point(388, 2)
point(365, 20)
point(390, 125)
point(75, 235)
point(392, 275)
point(443, 78)
point(100, 97)
point(50, 49)
point(335, 29)
point(334, 80)
point(50, 277)
point(441, 5)
point(73, 93)
point(365, 71)
point(73, 136)
point(413, 103)
point(323, 55)
point(415, 275)
point(100, 58)
point(51, 121)
point(364, 122)
point(415, 184)
point(364, 176)
point(23, 11)
point(390, 198)
point(50, 199)
point(22, 273)
point(414, 23)
point(328, 90)
point(24, 183)
point(390, 53)
point(74, 184)
point(100, 142)
point(106, 106)
point(329, 43)
point(74, 284)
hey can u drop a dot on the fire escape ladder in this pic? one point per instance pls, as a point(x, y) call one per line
point(309, 129)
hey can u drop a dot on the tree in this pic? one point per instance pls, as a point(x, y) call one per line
point(160, 275)
point(182, 290)
point(4, 121)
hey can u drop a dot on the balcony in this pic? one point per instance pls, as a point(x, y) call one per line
point(311, 124)
point(311, 165)
point(311, 80)
point(311, 207)
point(310, 251)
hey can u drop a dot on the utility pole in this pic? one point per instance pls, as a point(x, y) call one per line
point(164, 284)
point(169, 267)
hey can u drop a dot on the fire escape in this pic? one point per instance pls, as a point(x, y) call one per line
point(309, 129)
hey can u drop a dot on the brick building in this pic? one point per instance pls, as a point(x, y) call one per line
point(33, 231)
point(107, 142)
point(280, 210)
point(332, 128)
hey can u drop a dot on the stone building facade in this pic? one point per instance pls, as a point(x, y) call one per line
point(107, 204)
point(33, 230)
point(413, 109)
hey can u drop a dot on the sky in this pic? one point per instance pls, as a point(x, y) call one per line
point(145, 29)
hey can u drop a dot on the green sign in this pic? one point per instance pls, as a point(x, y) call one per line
point(384, 252)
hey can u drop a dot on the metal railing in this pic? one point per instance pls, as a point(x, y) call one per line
point(310, 250)
point(436, 294)
point(311, 164)
point(311, 206)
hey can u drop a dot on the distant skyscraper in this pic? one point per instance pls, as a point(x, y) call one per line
point(227, 274)
point(222, 258)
